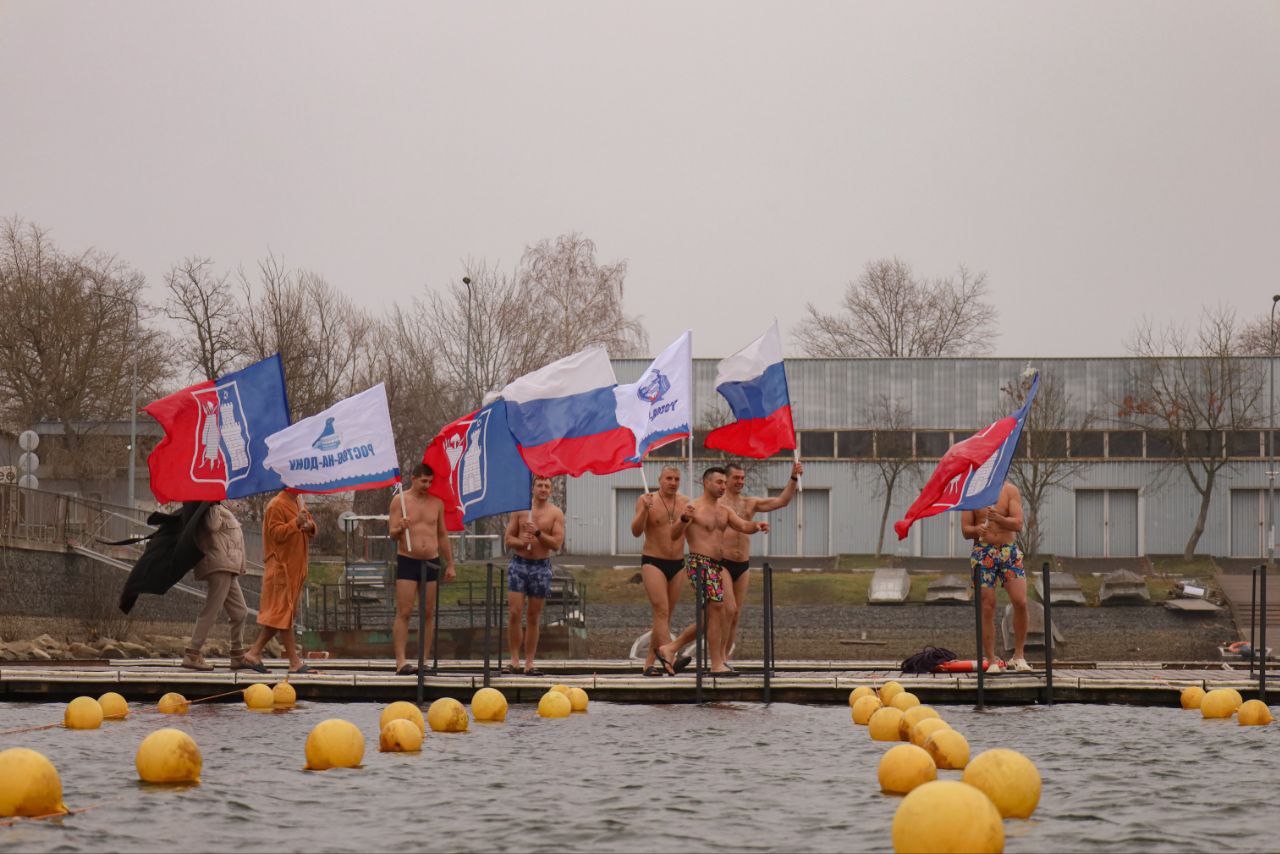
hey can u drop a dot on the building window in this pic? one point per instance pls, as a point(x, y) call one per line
point(1203, 443)
point(1244, 443)
point(670, 451)
point(1047, 443)
point(1085, 443)
point(932, 445)
point(817, 443)
point(893, 443)
point(1159, 447)
point(855, 444)
point(1124, 443)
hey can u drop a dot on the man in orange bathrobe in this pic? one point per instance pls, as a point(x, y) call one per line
point(286, 528)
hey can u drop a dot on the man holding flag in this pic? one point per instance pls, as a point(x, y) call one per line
point(415, 521)
point(996, 555)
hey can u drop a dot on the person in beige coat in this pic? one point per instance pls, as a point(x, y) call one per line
point(222, 542)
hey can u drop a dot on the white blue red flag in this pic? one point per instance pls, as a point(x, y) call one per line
point(754, 383)
point(658, 408)
point(478, 468)
point(564, 417)
point(971, 474)
point(348, 446)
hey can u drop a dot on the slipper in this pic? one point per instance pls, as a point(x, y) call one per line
point(534, 672)
point(407, 670)
point(725, 674)
point(682, 662)
point(666, 664)
point(654, 671)
point(508, 670)
point(258, 667)
point(301, 670)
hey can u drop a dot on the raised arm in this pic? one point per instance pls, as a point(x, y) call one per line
point(641, 519)
point(777, 502)
point(682, 523)
point(743, 526)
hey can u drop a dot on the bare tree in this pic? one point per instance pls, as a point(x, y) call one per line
point(1042, 464)
point(208, 313)
point(889, 312)
point(1191, 389)
point(893, 458)
point(69, 330)
point(583, 297)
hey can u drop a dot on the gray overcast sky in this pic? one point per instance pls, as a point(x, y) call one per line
point(1099, 160)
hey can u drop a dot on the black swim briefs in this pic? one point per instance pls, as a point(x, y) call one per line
point(413, 569)
point(735, 567)
point(670, 568)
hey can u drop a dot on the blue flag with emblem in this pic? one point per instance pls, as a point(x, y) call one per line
point(491, 475)
point(251, 406)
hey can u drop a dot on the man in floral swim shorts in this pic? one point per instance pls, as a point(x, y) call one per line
point(996, 556)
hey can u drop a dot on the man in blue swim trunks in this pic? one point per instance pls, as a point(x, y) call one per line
point(996, 556)
point(532, 535)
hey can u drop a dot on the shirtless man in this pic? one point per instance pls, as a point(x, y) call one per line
point(661, 561)
point(996, 556)
point(532, 535)
point(737, 547)
point(422, 519)
point(703, 523)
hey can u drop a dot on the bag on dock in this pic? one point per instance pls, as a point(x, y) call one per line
point(927, 660)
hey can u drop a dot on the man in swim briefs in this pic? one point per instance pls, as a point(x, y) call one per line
point(702, 523)
point(417, 522)
point(532, 535)
point(662, 558)
point(737, 547)
point(995, 555)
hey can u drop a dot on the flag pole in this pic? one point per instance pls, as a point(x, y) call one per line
point(800, 506)
point(408, 540)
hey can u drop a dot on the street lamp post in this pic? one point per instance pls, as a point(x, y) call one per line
point(133, 410)
point(466, 280)
point(1271, 496)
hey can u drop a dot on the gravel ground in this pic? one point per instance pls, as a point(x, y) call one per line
point(1119, 633)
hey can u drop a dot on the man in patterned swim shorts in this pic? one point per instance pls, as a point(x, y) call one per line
point(996, 556)
point(532, 535)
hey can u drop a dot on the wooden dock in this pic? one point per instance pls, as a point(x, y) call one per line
point(825, 682)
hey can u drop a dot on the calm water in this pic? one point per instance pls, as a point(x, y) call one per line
point(646, 778)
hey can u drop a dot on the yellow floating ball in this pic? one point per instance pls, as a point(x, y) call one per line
point(447, 715)
point(858, 693)
point(82, 713)
point(925, 728)
point(904, 700)
point(173, 704)
point(114, 707)
point(283, 694)
point(888, 690)
point(904, 767)
point(578, 699)
point(883, 725)
point(913, 715)
point(1191, 697)
point(1235, 695)
point(1254, 713)
point(29, 784)
point(402, 710)
point(400, 736)
point(947, 816)
point(554, 705)
point(864, 708)
point(259, 696)
point(1219, 703)
point(168, 756)
point(334, 743)
point(563, 689)
point(949, 749)
point(1008, 778)
point(489, 704)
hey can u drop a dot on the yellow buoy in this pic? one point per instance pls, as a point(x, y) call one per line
point(1191, 697)
point(259, 696)
point(29, 784)
point(925, 728)
point(283, 694)
point(858, 693)
point(1008, 778)
point(949, 749)
point(947, 816)
point(402, 710)
point(563, 689)
point(400, 736)
point(888, 690)
point(904, 767)
point(447, 715)
point(114, 707)
point(82, 713)
point(489, 704)
point(1254, 713)
point(168, 756)
point(883, 725)
point(1235, 696)
point(578, 699)
point(334, 743)
point(864, 708)
point(173, 704)
point(554, 705)
point(913, 715)
point(1219, 703)
point(904, 700)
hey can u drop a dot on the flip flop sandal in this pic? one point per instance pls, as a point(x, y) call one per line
point(534, 672)
point(508, 670)
point(651, 670)
point(682, 662)
point(668, 667)
point(301, 670)
point(249, 665)
point(725, 674)
point(407, 670)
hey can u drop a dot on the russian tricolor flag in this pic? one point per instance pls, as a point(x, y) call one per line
point(565, 417)
point(755, 386)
